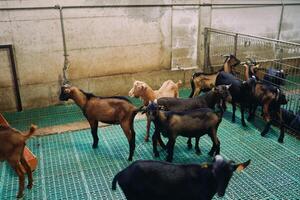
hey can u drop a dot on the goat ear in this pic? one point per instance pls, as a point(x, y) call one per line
point(240, 167)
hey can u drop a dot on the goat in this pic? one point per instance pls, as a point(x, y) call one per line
point(274, 77)
point(12, 144)
point(239, 93)
point(270, 77)
point(217, 96)
point(193, 123)
point(201, 82)
point(149, 179)
point(270, 98)
point(146, 93)
point(111, 110)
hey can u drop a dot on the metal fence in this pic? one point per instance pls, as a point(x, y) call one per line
point(270, 53)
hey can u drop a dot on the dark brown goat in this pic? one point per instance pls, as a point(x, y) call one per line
point(270, 98)
point(12, 144)
point(111, 110)
point(193, 123)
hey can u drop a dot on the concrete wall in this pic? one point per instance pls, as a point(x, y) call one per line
point(109, 48)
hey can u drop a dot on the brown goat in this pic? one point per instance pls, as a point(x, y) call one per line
point(146, 93)
point(12, 144)
point(203, 82)
point(111, 110)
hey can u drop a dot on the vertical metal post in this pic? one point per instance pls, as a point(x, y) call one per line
point(235, 44)
point(15, 78)
point(206, 49)
point(66, 61)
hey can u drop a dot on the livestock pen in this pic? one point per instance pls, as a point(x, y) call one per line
point(103, 47)
point(269, 53)
point(70, 169)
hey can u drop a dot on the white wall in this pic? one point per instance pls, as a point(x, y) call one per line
point(106, 43)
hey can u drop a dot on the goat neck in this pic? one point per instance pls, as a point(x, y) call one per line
point(79, 97)
point(211, 98)
point(149, 95)
point(227, 67)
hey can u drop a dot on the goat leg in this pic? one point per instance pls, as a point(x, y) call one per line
point(170, 149)
point(94, 127)
point(242, 115)
point(154, 142)
point(281, 136)
point(147, 128)
point(215, 149)
point(233, 112)
point(198, 151)
point(17, 167)
point(28, 171)
point(189, 143)
point(266, 129)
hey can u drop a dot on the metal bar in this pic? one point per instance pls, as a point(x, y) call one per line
point(235, 44)
point(280, 21)
point(253, 36)
point(66, 61)
point(147, 5)
point(15, 76)
point(206, 46)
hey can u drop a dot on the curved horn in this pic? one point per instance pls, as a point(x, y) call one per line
point(241, 166)
point(228, 86)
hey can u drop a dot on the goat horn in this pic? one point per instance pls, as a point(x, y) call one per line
point(228, 86)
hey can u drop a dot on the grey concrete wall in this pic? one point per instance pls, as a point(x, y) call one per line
point(111, 47)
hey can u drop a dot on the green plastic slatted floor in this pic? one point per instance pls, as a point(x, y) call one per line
point(70, 169)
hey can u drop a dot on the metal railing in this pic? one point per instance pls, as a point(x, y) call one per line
point(269, 53)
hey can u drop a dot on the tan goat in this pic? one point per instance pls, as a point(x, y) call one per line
point(146, 93)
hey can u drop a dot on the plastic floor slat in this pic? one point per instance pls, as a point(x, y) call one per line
point(70, 169)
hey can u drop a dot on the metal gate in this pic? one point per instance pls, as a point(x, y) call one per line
point(268, 52)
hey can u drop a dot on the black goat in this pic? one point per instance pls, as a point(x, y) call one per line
point(239, 92)
point(149, 180)
point(274, 77)
point(217, 96)
point(194, 123)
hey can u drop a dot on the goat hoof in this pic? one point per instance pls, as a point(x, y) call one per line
point(95, 146)
point(29, 186)
point(156, 154)
point(198, 152)
point(280, 140)
point(190, 146)
point(211, 153)
point(129, 159)
point(263, 134)
point(233, 120)
point(169, 159)
point(146, 139)
point(244, 124)
point(20, 195)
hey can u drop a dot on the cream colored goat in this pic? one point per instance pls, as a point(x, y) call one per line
point(142, 90)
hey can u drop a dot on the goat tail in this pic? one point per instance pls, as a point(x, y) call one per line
point(179, 83)
point(31, 131)
point(193, 88)
point(114, 182)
